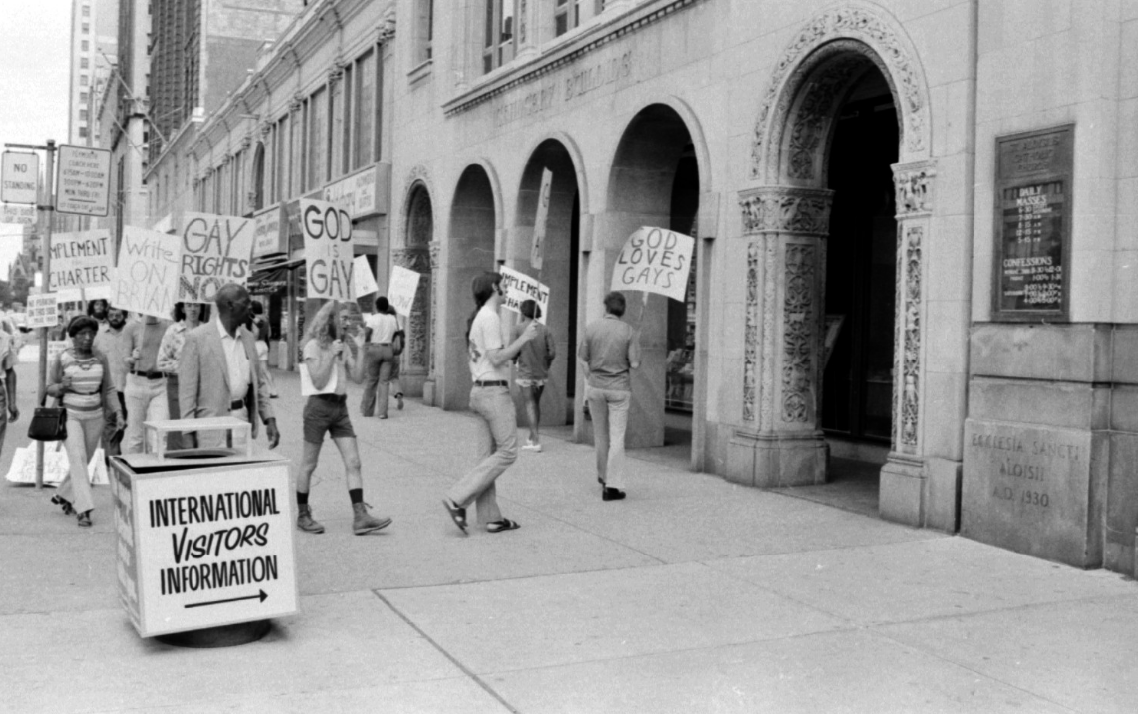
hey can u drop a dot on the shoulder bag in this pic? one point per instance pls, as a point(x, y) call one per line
point(48, 423)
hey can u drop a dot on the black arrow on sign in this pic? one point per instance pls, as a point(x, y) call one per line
point(260, 595)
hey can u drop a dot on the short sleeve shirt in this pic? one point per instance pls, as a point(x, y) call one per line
point(486, 335)
point(315, 354)
point(383, 327)
point(609, 348)
point(534, 358)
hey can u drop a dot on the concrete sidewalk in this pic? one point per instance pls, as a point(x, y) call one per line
point(693, 595)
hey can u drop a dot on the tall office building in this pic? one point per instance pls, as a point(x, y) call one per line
point(94, 47)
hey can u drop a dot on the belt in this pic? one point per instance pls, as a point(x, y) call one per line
point(491, 383)
point(236, 404)
point(153, 374)
point(380, 344)
point(338, 398)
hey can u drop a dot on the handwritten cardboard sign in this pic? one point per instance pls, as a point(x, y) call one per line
point(149, 272)
point(43, 310)
point(328, 250)
point(401, 290)
point(519, 287)
point(654, 260)
point(363, 279)
point(537, 251)
point(216, 251)
point(81, 260)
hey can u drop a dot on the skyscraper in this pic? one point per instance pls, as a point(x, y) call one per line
point(94, 47)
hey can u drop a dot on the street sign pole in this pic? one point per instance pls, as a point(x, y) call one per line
point(48, 211)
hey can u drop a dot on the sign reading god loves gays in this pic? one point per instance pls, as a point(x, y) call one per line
point(656, 261)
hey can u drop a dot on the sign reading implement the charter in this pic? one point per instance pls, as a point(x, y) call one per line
point(1033, 225)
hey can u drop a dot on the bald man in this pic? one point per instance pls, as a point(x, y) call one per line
point(218, 374)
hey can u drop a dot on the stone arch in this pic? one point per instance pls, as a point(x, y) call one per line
point(825, 59)
point(419, 254)
point(786, 223)
point(575, 156)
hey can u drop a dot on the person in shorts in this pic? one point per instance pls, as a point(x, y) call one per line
point(533, 368)
point(328, 358)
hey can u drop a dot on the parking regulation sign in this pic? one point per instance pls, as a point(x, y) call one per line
point(84, 181)
point(19, 179)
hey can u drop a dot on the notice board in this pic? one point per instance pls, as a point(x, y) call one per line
point(1033, 185)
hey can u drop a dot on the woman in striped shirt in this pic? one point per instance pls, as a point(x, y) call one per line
point(81, 378)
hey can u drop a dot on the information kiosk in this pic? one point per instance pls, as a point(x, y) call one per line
point(205, 538)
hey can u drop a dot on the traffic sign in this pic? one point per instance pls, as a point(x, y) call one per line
point(84, 183)
point(19, 179)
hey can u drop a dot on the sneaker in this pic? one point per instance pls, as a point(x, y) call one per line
point(304, 520)
point(530, 446)
point(364, 522)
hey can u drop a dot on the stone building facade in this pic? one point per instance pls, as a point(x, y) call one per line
point(837, 164)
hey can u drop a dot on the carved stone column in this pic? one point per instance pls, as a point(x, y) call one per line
point(779, 442)
point(416, 355)
point(903, 476)
point(433, 249)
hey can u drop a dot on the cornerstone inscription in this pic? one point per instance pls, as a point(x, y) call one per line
point(1028, 489)
point(1033, 218)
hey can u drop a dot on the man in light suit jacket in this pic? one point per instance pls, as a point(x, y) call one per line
point(218, 374)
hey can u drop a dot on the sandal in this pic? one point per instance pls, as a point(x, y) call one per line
point(458, 515)
point(503, 525)
point(85, 519)
point(64, 504)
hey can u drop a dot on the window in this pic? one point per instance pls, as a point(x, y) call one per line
point(82, 132)
point(83, 115)
point(498, 45)
point(280, 151)
point(296, 150)
point(83, 96)
point(84, 63)
point(86, 28)
point(86, 11)
point(317, 139)
point(86, 46)
point(423, 30)
point(336, 128)
point(82, 80)
point(363, 152)
point(566, 16)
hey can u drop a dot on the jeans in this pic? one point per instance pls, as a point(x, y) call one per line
point(145, 401)
point(609, 409)
point(84, 429)
point(500, 430)
point(379, 359)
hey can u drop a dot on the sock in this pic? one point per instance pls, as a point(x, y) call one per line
point(301, 499)
point(356, 494)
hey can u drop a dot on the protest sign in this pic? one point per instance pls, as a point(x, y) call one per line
point(537, 252)
point(328, 250)
point(81, 260)
point(519, 287)
point(362, 279)
point(43, 311)
point(401, 290)
point(216, 251)
point(147, 277)
point(656, 261)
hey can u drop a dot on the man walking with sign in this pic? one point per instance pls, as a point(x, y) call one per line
point(608, 353)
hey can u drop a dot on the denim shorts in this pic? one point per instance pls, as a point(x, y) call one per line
point(327, 413)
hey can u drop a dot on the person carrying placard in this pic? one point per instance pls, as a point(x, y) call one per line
point(609, 351)
point(488, 358)
point(381, 327)
point(533, 368)
point(328, 361)
point(145, 389)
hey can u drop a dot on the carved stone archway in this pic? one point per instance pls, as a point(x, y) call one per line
point(785, 225)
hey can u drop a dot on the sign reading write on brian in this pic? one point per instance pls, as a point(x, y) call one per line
point(519, 287)
point(81, 260)
point(43, 311)
point(203, 547)
point(216, 251)
point(146, 280)
point(328, 250)
point(656, 261)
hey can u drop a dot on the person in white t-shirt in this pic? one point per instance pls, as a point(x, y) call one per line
point(489, 360)
point(380, 328)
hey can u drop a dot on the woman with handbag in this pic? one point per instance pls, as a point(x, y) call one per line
point(80, 378)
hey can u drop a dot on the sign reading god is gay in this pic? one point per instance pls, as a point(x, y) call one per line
point(149, 270)
point(328, 250)
point(656, 261)
point(216, 251)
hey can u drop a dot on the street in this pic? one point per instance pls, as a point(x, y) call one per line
point(693, 595)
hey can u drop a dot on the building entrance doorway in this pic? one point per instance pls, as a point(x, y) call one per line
point(860, 298)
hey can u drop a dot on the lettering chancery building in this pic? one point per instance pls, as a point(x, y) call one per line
point(913, 254)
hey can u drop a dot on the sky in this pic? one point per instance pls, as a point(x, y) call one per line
point(34, 55)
